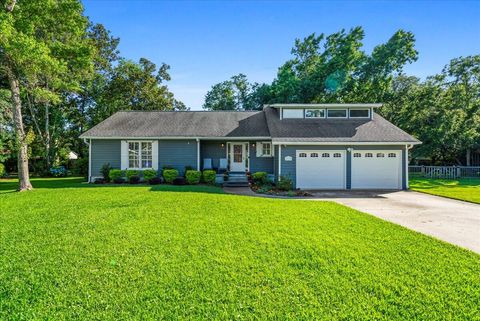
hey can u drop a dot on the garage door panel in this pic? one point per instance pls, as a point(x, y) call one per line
point(379, 169)
point(320, 169)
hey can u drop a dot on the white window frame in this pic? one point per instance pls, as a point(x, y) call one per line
point(260, 149)
point(140, 158)
point(315, 109)
point(368, 109)
point(336, 109)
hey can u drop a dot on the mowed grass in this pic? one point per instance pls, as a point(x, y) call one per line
point(71, 251)
point(462, 189)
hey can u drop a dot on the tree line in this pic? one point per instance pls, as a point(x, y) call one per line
point(443, 110)
point(60, 74)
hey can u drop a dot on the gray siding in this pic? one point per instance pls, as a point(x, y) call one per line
point(105, 151)
point(260, 164)
point(213, 150)
point(177, 153)
point(288, 168)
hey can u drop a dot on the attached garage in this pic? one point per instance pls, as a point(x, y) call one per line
point(377, 169)
point(321, 169)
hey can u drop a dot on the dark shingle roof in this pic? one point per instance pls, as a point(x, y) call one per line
point(181, 124)
point(266, 123)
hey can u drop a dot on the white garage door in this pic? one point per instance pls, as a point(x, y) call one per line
point(321, 169)
point(380, 169)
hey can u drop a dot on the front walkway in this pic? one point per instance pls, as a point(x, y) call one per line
point(449, 220)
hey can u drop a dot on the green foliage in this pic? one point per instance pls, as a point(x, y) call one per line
point(193, 177)
point(148, 237)
point(116, 174)
point(285, 183)
point(209, 176)
point(3, 172)
point(465, 189)
point(105, 170)
point(169, 175)
point(131, 172)
point(148, 174)
point(260, 178)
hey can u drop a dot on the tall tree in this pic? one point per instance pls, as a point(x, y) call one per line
point(38, 54)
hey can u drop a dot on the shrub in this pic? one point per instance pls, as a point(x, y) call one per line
point(188, 168)
point(134, 179)
point(260, 178)
point(193, 177)
point(3, 172)
point(148, 174)
point(58, 171)
point(80, 167)
point(105, 170)
point(131, 172)
point(179, 181)
point(169, 175)
point(116, 175)
point(285, 184)
point(209, 176)
point(155, 181)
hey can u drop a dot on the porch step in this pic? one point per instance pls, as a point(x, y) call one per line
point(230, 183)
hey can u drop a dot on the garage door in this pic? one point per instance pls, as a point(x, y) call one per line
point(377, 169)
point(321, 169)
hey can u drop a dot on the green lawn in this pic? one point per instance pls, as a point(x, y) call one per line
point(463, 189)
point(72, 251)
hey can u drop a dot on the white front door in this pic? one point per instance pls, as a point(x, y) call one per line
point(237, 157)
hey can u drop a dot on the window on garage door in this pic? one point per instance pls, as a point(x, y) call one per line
point(302, 155)
point(368, 155)
point(391, 155)
point(357, 155)
point(336, 155)
point(380, 155)
point(314, 155)
point(326, 155)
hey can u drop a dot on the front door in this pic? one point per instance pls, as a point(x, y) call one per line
point(237, 157)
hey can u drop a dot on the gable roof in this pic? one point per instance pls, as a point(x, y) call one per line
point(246, 124)
point(150, 124)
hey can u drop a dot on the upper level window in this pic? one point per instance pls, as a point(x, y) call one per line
point(314, 113)
point(292, 113)
point(337, 113)
point(140, 155)
point(359, 113)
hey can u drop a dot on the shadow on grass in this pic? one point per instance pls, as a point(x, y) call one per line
point(11, 185)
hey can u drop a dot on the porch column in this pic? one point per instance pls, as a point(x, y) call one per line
point(198, 154)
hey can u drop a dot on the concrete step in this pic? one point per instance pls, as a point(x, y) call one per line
point(236, 184)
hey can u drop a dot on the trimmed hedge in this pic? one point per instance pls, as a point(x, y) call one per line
point(148, 174)
point(285, 184)
point(169, 175)
point(209, 176)
point(131, 172)
point(260, 178)
point(116, 175)
point(193, 177)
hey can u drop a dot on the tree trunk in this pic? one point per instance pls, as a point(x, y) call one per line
point(47, 136)
point(23, 175)
point(468, 157)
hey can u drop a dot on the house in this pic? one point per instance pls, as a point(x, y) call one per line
point(317, 146)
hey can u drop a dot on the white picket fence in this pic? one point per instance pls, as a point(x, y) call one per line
point(449, 172)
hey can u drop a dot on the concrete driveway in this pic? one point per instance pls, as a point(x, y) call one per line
point(449, 220)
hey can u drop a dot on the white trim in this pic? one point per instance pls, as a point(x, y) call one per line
point(281, 113)
point(324, 113)
point(344, 154)
point(183, 138)
point(139, 155)
point(366, 117)
point(89, 161)
point(279, 161)
point(367, 105)
point(245, 154)
point(346, 143)
point(198, 154)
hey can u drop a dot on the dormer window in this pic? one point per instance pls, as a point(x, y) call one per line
point(314, 113)
point(292, 113)
point(359, 113)
point(337, 113)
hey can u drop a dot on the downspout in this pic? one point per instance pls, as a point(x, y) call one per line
point(198, 154)
point(89, 143)
point(407, 147)
point(279, 162)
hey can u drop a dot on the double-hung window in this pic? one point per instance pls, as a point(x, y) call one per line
point(140, 155)
point(264, 149)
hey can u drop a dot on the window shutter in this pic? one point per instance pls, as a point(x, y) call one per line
point(124, 154)
point(259, 149)
point(155, 154)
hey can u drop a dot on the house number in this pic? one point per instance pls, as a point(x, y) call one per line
point(288, 158)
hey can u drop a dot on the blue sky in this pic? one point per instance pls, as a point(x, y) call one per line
point(207, 42)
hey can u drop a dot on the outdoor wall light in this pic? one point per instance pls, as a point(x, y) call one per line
point(223, 145)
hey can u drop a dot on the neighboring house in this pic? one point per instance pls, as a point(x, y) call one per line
point(318, 146)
